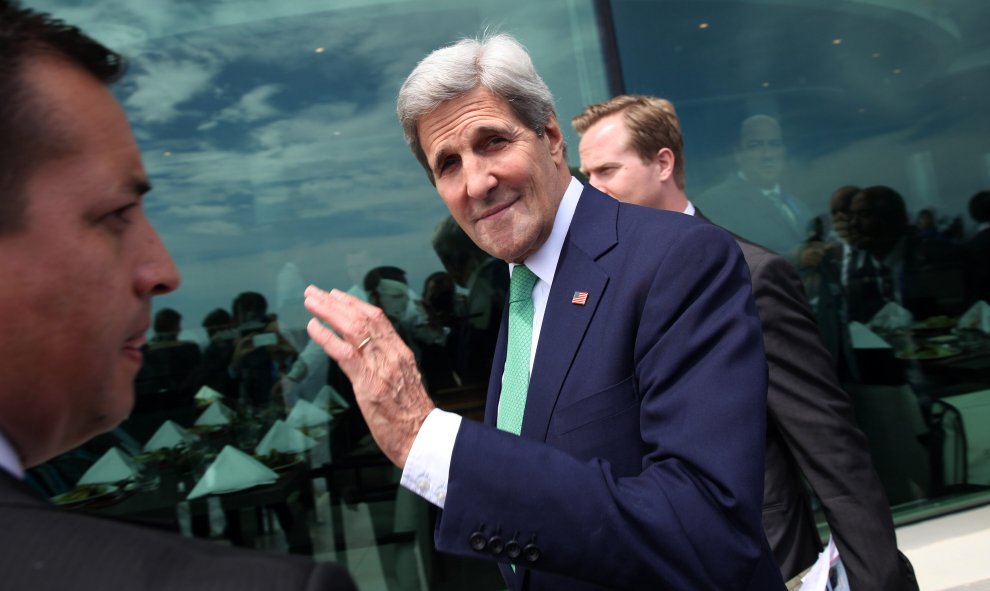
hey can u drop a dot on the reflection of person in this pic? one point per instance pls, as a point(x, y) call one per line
point(773, 217)
point(631, 148)
point(387, 288)
point(81, 263)
point(637, 462)
point(487, 282)
point(261, 352)
point(168, 376)
point(222, 332)
point(884, 260)
point(977, 250)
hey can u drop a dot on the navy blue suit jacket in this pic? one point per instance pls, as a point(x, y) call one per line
point(640, 462)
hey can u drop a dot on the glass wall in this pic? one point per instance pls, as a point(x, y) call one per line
point(786, 102)
point(268, 129)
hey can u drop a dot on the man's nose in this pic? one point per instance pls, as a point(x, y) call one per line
point(479, 177)
point(157, 273)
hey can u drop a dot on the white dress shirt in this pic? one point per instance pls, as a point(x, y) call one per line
point(9, 459)
point(427, 468)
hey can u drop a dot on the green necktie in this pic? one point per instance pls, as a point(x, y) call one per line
point(515, 378)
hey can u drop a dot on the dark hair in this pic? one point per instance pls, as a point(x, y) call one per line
point(167, 321)
point(249, 305)
point(374, 277)
point(888, 205)
point(26, 35)
point(216, 321)
point(979, 206)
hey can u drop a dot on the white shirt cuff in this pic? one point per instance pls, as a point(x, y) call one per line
point(427, 467)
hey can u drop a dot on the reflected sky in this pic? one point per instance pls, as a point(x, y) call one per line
point(867, 91)
point(269, 129)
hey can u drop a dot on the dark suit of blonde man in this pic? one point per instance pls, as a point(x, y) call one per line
point(80, 263)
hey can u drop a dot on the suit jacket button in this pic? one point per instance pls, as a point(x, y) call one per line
point(513, 549)
point(495, 545)
point(531, 552)
point(478, 541)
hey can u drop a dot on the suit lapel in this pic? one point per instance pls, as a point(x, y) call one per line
point(592, 233)
point(498, 367)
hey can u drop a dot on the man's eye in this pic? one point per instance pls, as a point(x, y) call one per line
point(496, 141)
point(122, 215)
point(447, 164)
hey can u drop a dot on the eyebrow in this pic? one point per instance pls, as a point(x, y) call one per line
point(140, 186)
point(484, 130)
point(438, 160)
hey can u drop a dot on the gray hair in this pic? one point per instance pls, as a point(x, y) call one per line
point(497, 63)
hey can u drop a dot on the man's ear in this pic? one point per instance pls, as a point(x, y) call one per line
point(555, 137)
point(666, 160)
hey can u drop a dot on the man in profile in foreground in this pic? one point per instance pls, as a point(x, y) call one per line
point(80, 262)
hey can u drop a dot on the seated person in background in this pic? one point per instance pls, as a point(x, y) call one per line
point(222, 332)
point(977, 250)
point(441, 302)
point(387, 288)
point(888, 264)
point(442, 307)
point(261, 354)
point(824, 262)
point(168, 377)
point(932, 244)
point(81, 264)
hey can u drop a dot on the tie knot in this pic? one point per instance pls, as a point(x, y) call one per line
point(521, 284)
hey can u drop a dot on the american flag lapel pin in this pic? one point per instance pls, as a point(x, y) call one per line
point(580, 298)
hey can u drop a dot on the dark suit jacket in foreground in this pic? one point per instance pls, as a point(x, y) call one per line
point(48, 548)
point(640, 463)
point(812, 431)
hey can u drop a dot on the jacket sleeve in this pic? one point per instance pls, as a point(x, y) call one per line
point(815, 418)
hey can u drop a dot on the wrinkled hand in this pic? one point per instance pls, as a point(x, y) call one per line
point(383, 373)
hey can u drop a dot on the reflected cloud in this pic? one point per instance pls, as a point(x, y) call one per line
point(164, 83)
point(253, 106)
point(199, 211)
point(214, 228)
point(263, 151)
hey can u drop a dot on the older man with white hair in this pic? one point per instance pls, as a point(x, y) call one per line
point(622, 442)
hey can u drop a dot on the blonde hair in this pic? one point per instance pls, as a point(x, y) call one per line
point(652, 124)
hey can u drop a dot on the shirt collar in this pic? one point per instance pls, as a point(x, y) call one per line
point(543, 262)
point(772, 191)
point(689, 210)
point(9, 460)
